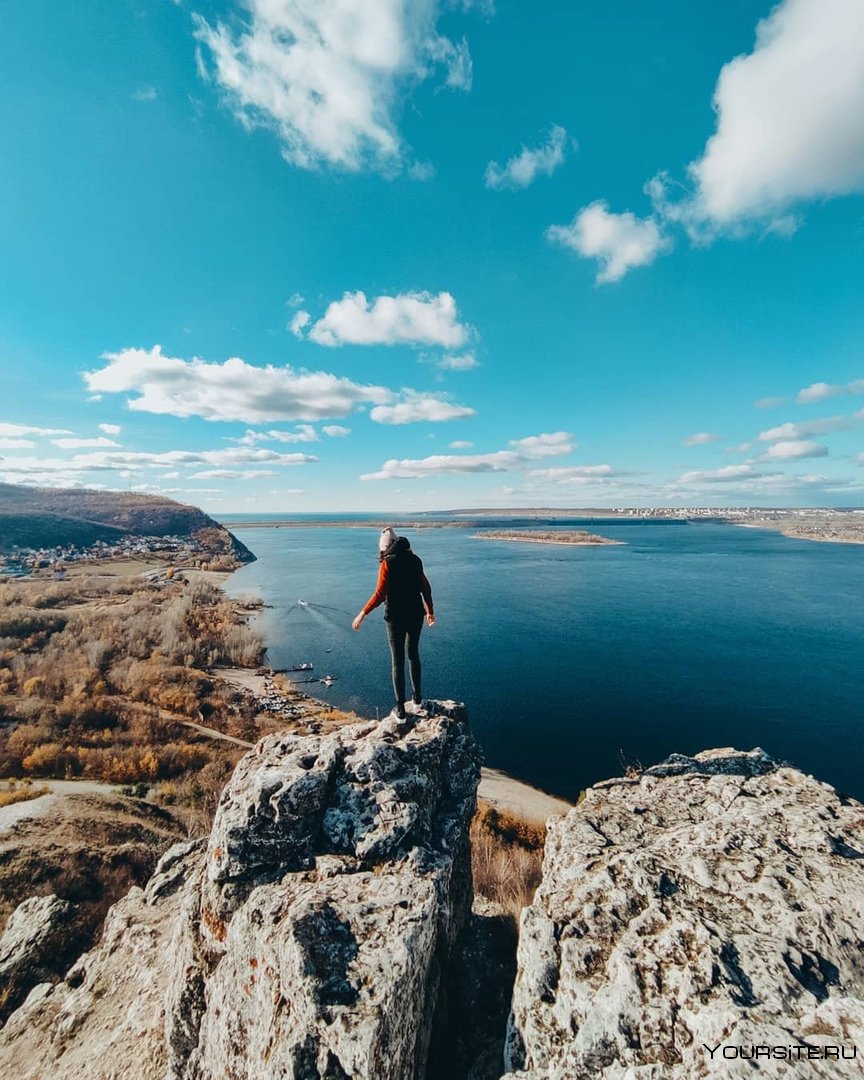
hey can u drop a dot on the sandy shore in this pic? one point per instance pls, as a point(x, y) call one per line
point(800, 533)
point(507, 793)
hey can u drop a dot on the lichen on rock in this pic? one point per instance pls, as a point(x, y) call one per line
point(714, 901)
point(308, 936)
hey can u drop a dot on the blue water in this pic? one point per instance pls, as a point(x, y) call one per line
point(577, 661)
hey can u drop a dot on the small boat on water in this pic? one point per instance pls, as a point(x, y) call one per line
point(300, 667)
point(328, 680)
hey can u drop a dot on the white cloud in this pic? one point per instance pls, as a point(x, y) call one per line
point(791, 449)
point(700, 439)
point(326, 75)
point(15, 444)
point(295, 300)
point(552, 444)
point(15, 431)
point(414, 469)
point(461, 444)
point(412, 318)
point(456, 57)
point(108, 460)
point(299, 323)
point(524, 453)
point(770, 402)
point(146, 93)
point(618, 241)
point(83, 444)
point(421, 170)
point(110, 429)
point(336, 431)
point(567, 473)
point(232, 474)
point(790, 117)
point(233, 390)
point(806, 428)
point(719, 476)
point(819, 391)
point(523, 169)
point(414, 407)
point(464, 362)
point(304, 433)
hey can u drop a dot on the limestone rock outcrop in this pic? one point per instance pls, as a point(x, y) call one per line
point(30, 946)
point(308, 936)
point(713, 903)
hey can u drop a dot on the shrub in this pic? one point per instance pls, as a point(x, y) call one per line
point(12, 792)
point(506, 857)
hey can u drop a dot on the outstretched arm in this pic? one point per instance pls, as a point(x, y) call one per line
point(426, 590)
point(378, 597)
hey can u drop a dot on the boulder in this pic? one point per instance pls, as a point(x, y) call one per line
point(308, 936)
point(31, 945)
point(691, 919)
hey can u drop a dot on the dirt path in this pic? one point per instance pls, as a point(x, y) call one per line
point(212, 733)
point(44, 805)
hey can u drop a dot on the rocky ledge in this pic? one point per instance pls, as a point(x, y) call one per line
point(308, 936)
point(702, 919)
point(705, 918)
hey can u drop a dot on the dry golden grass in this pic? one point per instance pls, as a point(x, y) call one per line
point(14, 791)
point(506, 856)
point(99, 674)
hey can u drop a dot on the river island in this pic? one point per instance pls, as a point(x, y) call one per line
point(573, 537)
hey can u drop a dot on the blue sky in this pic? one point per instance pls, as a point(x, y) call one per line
point(321, 255)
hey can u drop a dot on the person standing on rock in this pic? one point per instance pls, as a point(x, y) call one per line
point(405, 591)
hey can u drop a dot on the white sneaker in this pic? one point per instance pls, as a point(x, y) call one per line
point(413, 707)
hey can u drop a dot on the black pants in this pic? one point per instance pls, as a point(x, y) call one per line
point(397, 633)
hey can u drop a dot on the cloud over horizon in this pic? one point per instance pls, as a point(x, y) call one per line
point(525, 453)
point(417, 407)
point(819, 391)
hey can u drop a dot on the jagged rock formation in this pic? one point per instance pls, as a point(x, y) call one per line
point(87, 849)
point(322, 931)
point(30, 945)
point(308, 936)
point(715, 901)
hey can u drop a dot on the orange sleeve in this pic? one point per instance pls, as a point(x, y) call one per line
point(380, 593)
point(426, 589)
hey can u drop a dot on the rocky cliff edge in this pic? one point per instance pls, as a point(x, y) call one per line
point(308, 936)
point(705, 918)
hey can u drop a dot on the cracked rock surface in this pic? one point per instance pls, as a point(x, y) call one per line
point(715, 901)
point(308, 936)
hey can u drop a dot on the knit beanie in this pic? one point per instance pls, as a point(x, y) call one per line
point(387, 539)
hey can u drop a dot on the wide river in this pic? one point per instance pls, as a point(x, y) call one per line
point(576, 662)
